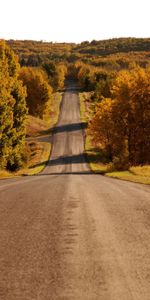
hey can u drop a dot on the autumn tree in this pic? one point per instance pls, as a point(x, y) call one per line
point(102, 125)
point(56, 74)
point(38, 89)
point(59, 78)
point(85, 76)
point(121, 125)
point(12, 111)
point(131, 91)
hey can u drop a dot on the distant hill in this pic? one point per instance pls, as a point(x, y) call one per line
point(98, 53)
point(111, 46)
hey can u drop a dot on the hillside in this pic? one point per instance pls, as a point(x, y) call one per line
point(34, 53)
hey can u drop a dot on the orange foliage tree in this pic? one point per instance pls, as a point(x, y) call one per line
point(13, 111)
point(125, 118)
point(38, 89)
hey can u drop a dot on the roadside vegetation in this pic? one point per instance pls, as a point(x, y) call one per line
point(29, 108)
point(13, 111)
point(38, 141)
point(114, 77)
point(99, 157)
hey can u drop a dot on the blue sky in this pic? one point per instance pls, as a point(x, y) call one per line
point(74, 21)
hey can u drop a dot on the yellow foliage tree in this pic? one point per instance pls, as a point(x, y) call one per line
point(13, 111)
point(121, 125)
point(131, 113)
point(101, 127)
point(38, 89)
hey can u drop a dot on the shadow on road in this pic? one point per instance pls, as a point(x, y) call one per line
point(65, 160)
point(68, 160)
point(67, 173)
point(67, 127)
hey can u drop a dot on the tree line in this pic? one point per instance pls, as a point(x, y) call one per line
point(23, 91)
point(120, 124)
point(118, 86)
point(112, 53)
point(13, 111)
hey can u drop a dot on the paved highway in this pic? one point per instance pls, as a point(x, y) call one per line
point(69, 234)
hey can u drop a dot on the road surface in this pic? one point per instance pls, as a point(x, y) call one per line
point(69, 234)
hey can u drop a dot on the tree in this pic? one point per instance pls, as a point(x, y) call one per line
point(56, 74)
point(18, 130)
point(132, 113)
point(38, 89)
point(121, 125)
point(101, 127)
point(12, 111)
point(60, 75)
point(6, 112)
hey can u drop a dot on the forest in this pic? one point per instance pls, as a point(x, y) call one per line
point(114, 73)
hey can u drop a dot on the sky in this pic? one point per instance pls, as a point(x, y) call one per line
point(73, 20)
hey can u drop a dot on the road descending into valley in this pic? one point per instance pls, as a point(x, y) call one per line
point(70, 234)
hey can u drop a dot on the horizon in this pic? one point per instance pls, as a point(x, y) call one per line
point(63, 42)
point(74, 22)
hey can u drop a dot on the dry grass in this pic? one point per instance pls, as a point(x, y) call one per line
point(39, 155)
point(6, 174)
point(82, 108)
point(52, 111)
point(34, 126)
point(140, 174)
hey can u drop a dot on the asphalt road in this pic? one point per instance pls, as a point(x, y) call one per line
point(69, 234)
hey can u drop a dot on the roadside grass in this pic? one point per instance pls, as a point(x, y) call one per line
point(5, 174)
point(140, 174)
point(51, 115)
point(84, 118)
point(36, 127)
point(38, 157)
point(97, 160)
point(99, 163)
point(38, 152)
